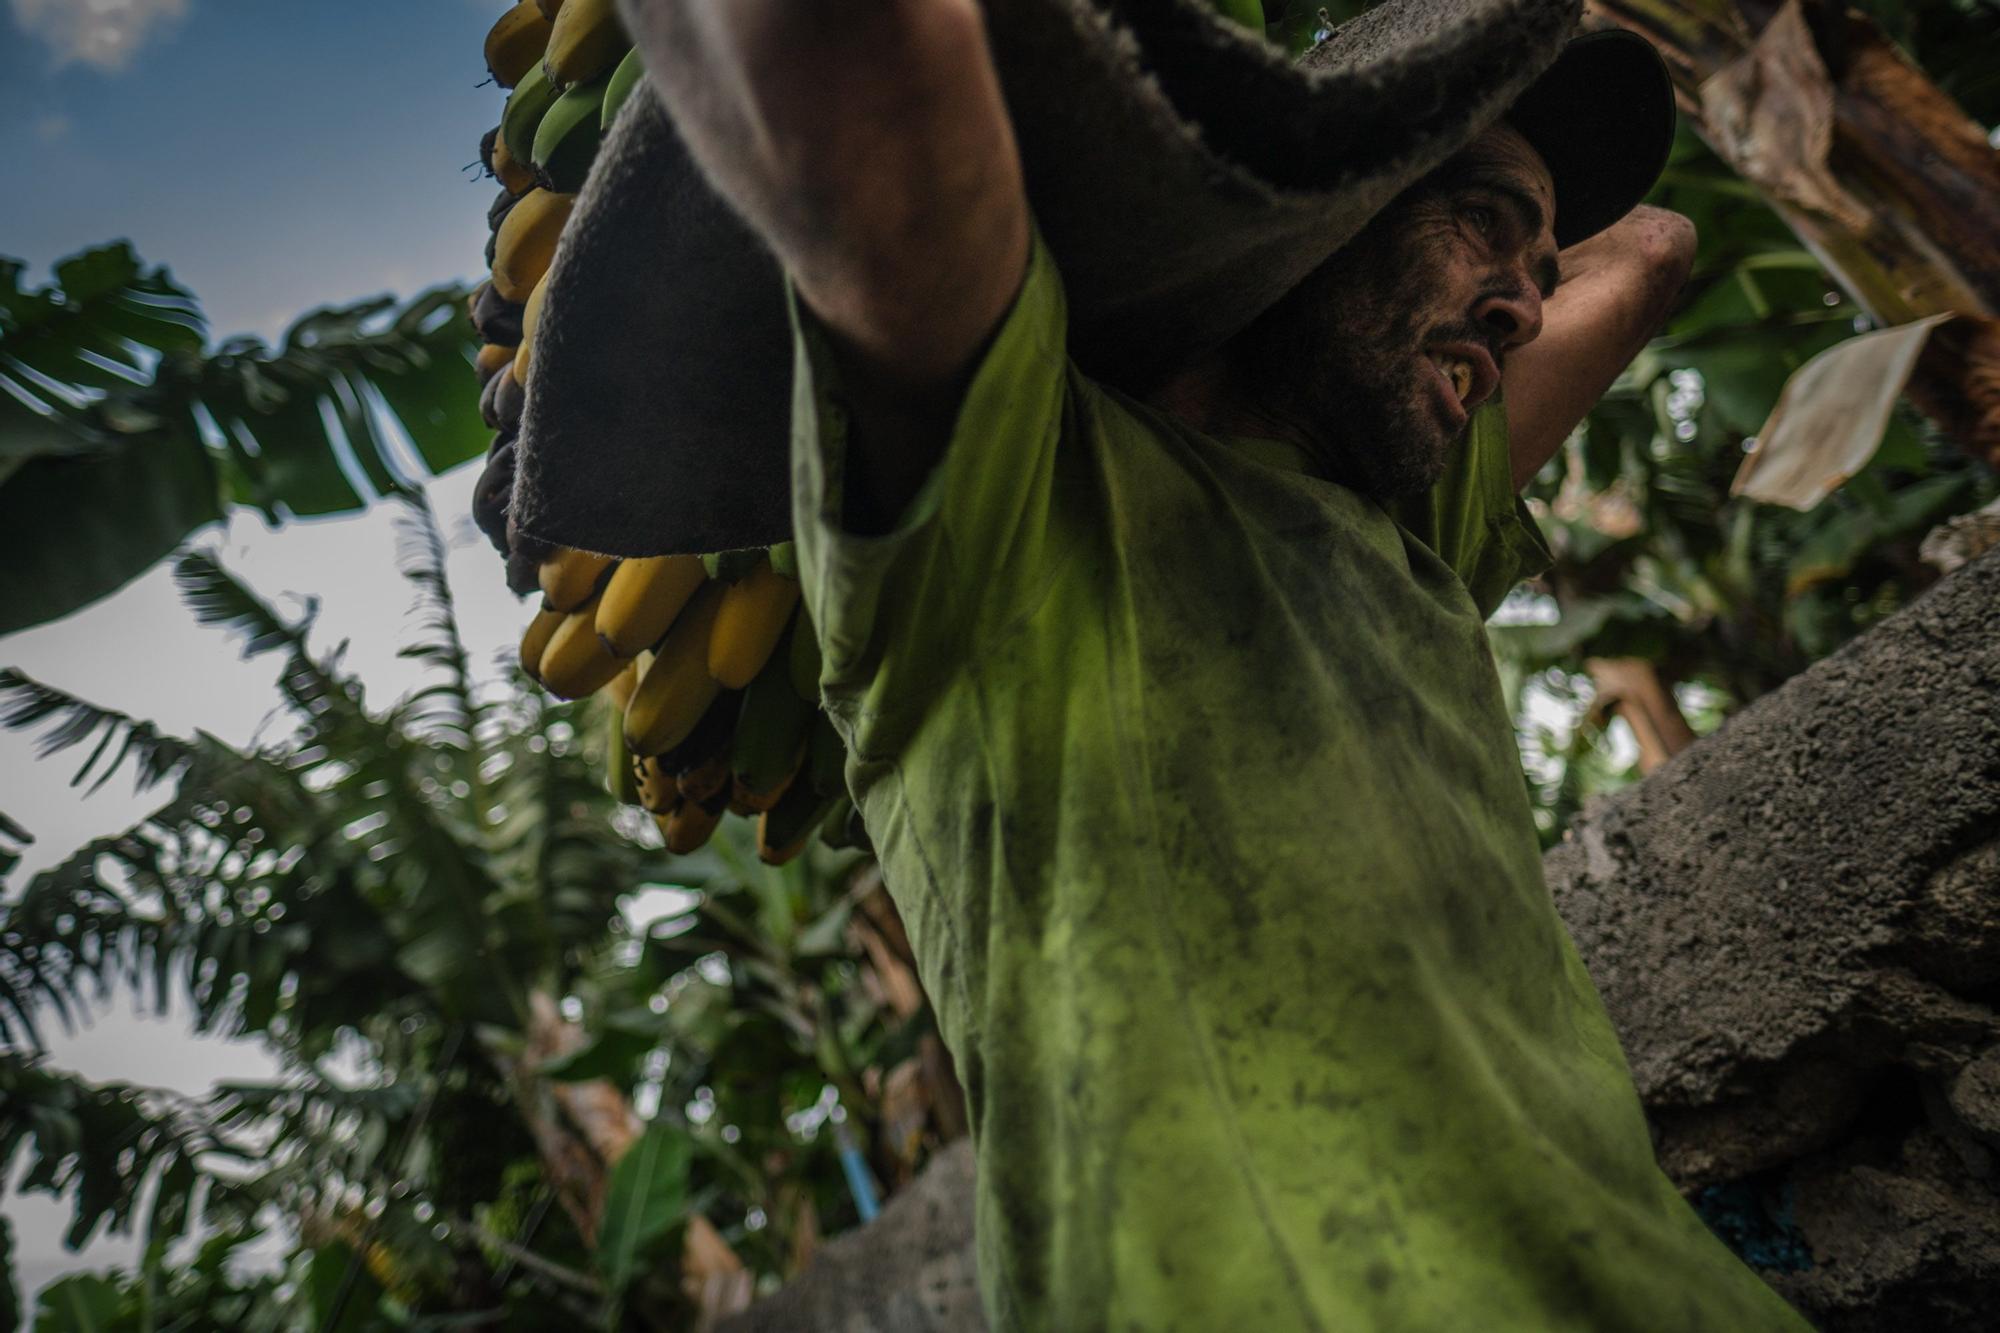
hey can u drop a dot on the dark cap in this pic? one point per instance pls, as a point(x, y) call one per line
point(1602, 118)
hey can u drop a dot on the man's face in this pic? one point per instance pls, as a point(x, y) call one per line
point(1379, 356)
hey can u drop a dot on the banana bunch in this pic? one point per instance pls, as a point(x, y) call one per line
point(707, 665)
point(713, 677)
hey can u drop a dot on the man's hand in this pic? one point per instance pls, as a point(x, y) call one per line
point(1617, 288)
point(867, 142)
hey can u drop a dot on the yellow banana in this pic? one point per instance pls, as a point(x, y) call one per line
point(524, 356)
point(515, 176)
point(568, 578)
point(585, 40)
point(527, 242)
point(676, 688)
point(516, 42)
point(549, 8)
point(749, 623)
point(575, 663)
point(536, 641)
point(619, 691)
point(642, 599)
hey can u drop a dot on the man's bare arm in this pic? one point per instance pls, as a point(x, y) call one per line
point(867, 142)
point(1617, 288)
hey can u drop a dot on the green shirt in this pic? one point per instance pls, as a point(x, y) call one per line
point(1191, 776)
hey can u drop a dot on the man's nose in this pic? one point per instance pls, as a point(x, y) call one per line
point(1513, 315)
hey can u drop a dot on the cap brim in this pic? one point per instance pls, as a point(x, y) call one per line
point(1602, 118)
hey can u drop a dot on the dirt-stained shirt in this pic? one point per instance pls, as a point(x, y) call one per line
point(1191, 776)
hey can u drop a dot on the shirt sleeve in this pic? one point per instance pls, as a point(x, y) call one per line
point(897, 612)
point(1473, 518)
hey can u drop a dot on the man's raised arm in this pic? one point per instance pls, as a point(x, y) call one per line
point(867, 142)
point(1616, 290)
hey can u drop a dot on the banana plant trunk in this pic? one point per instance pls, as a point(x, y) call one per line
point(1876, 169)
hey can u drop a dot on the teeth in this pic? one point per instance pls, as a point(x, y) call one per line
point(1458, 372)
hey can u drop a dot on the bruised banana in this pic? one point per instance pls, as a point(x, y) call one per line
point(526, 242)
point(658, 793)
point(585, 40)
point(676, 689)
point(496, 319)
point(515, 44)
point(691, 824)
point(526, 105)
point(642, 599)
point(752, 618)
point(710, 736)
point(568, 578)
point(575, 664)
point(620, 86)
point(566, 141)
point(535, 641)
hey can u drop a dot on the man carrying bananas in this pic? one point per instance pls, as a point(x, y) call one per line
point(1169, 706)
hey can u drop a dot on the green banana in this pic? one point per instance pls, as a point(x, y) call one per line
point(526, 105)
point(784, 829)
point(729, 566)
point(826, 758)
point(841, 828)
point(805, 656)
point(619, 87)
point(566, 140)
point(621, 779)
point(785, 559)
point(770, 734)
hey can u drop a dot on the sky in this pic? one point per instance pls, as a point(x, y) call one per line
point(275, 155)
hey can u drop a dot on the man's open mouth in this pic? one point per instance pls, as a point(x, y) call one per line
point(1469, 369)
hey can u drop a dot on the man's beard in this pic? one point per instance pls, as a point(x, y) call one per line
point(1343, 356)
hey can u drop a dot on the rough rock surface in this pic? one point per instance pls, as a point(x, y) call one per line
point(1796, 927)
point(911, 1270)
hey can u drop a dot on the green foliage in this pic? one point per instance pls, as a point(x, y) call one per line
point(1726, 597)
point(382, 897)
point(119, 434)
point(646, 1200)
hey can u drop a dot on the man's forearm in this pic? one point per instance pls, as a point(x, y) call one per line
point(867, 142)
point(1617, 289)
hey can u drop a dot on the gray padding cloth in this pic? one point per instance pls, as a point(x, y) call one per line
point(1184, 173)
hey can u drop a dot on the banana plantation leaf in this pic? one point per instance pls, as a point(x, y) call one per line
point(83, 1303)
point(645, 1200)
point(1831, 416)
point(74, 529)
point(119, 434)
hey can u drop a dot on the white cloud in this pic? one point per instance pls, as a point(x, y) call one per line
point(53, 127)
point(103, 33)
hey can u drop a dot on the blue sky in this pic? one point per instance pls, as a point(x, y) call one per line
point(275, 154)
